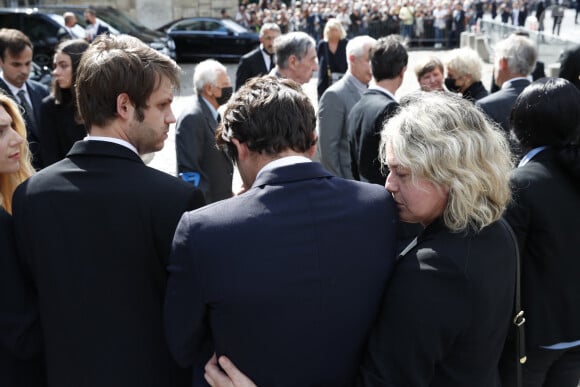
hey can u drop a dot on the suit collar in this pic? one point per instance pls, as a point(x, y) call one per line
point(210, 114)
point(515, 83)
point(103, 148)
point(375, 90)
point(291, 173)
point(354, 84)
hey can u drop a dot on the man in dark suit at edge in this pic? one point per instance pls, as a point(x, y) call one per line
point(280, 257)
point(16, 62)
point(389, 59)
point(198, 159)
point(261, 60)
point(514, 60)
point(94, 230)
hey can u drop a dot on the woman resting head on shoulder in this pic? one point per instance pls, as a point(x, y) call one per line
point(446, 160)
point(447, 308)
point(15, 164)
point(448, 305)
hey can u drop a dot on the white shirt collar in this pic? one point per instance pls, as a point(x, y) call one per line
point(113, 140)
point(13, 89)
point(282, 162)
point(508, 82)
point(387, 92)
point(530, 155)
point(211, 108)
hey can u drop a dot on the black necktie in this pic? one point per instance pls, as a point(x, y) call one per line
point(27, 108)
point(271, 60)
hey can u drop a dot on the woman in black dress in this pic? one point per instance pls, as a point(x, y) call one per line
point(61, 124)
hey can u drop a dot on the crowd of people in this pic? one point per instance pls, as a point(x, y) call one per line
point(391, 262)
point(431, 22)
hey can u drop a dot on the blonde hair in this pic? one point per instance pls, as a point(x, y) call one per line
point(9, 181)
point(465, 61)
point(448, 141)
point(333, 23)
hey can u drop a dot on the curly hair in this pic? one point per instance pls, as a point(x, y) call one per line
point(465, 61)
point(270, 115)
point(448, 141)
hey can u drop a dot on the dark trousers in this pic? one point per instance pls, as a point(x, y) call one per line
point(544, 368)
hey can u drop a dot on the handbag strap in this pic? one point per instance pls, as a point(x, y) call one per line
point(326, 56)
point(518, 319)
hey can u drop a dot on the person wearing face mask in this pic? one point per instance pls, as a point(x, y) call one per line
point(61, 123)
point(198, 159)
point(464, 74)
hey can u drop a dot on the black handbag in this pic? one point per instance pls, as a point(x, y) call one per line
point(518, 319)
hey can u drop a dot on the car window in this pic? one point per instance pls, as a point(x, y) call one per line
point(9, 21)
point(188, 25)
point(233, 26)
point(215, 27)
point(39, 29)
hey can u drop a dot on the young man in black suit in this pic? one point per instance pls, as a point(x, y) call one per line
point(388, 63)
point(272, 277)
point(16, 62)
point(261, 60)
point(94, 230)
point(389, 59)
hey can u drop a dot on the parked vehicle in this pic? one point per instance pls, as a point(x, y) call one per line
point(42, 74)
point(202, 37)
point(118, 23)
point(44, 30)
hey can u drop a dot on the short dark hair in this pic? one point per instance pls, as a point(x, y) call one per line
point(388, 57)
point(13, 41)
point(270, 115)
point(119, 64)
point(546, 113)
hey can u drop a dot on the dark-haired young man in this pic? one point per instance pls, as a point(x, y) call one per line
point(15, 63)
point(366, 119)
point(272, 277)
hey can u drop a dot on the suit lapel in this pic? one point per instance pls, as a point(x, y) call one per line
point(208, 114)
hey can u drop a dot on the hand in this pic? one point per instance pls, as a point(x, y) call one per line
point(232, 378)
point(241, 190)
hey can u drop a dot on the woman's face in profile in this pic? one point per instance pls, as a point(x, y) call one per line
point(62, 70)
point(10, 142)
point(418, 201)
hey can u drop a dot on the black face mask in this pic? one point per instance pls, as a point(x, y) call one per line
point(451, 85)
point(226, 95)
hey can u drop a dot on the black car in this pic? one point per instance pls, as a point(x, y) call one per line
point(118, 23)
point(45, 31)
point(201, 37)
